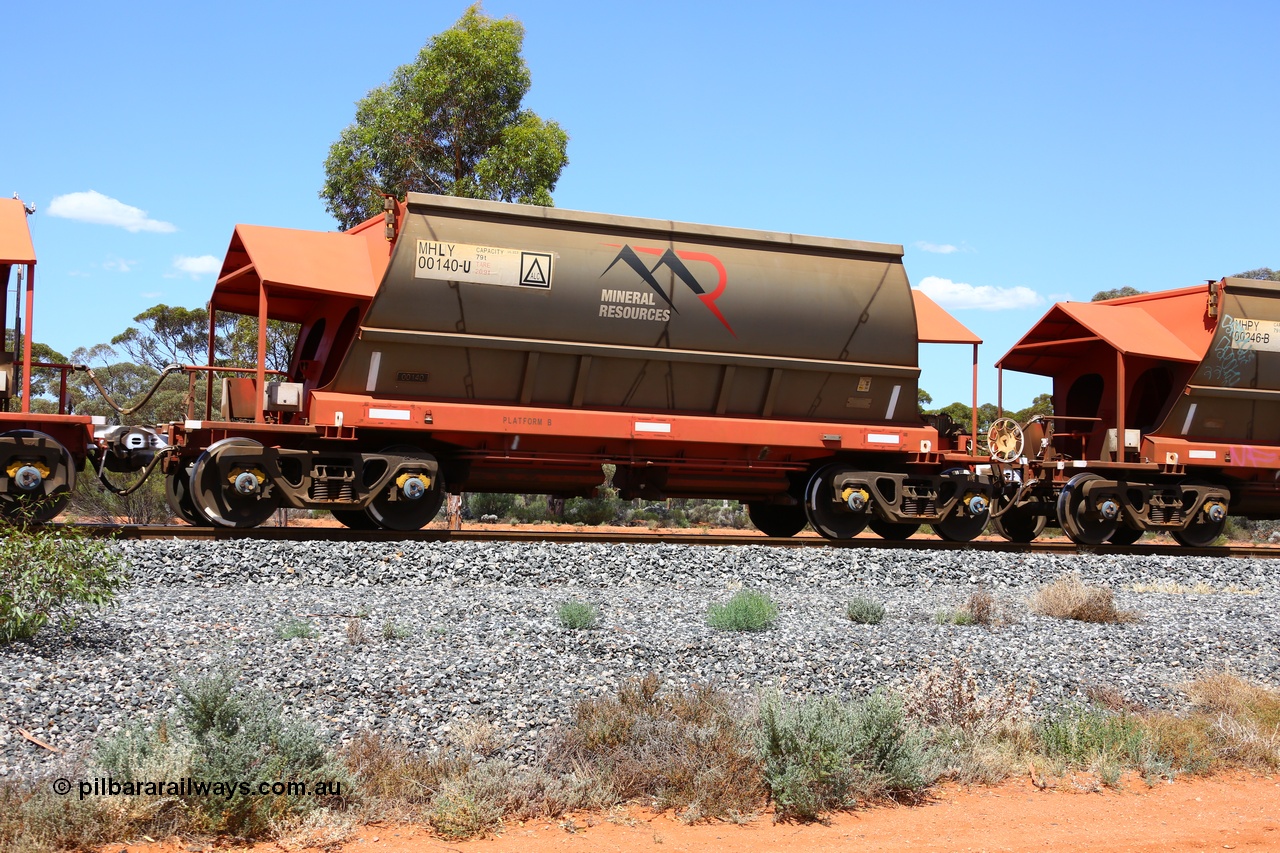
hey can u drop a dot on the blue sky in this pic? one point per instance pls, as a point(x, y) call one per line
point(1022, 153)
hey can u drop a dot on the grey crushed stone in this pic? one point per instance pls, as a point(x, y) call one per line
point(484, 644)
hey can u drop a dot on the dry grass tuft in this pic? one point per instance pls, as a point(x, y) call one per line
point(683, 749)
point(1069, 597)
point(399, 782)
point(1197, 588)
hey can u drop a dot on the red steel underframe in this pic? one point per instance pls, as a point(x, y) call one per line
point(691, 440)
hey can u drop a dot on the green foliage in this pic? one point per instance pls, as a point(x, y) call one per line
point(451, 123)
point(393, 630)
point(864, 611)
point(821, 755)
point(988, 412)
point(165, 335)
point(1262, 273)
point(147, 505)
point(748, 610)
point(57, 576)
point(1116, 293)
point(294, 629)
point(602, 509)
point(221, 734)
point(577, 615)
point(1078, 735)
point(486, 503)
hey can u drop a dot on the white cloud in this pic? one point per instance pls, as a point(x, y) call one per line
point(118, 265)
point(955, 294)
point(99, 209)
point(936, 248)
point(198, 266)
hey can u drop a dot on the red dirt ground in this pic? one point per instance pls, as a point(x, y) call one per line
point(1227, 812)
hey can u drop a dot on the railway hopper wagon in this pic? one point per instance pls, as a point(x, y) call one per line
point(40, 451)
point(460, 345)
point(1167, 417)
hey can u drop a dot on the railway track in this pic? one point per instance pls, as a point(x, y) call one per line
point(669, 537)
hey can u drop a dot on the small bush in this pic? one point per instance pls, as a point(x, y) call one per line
point(393, 630)
point(295, 629)
point(746, 611)
point(979, 609)
point(1079, 736)
point(602, 509)
point(577, 615)
point(57, 576)
point(458, 813)
point(864, 611)
point(1069, 598)
point(822, 755)
point(688, 750)
point(484, 503)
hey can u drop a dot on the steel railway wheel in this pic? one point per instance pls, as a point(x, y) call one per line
point(1203, 531)
point(1125, 535)
point(41, 475)
point(1082, 521)
point(1018, 525)
point(831, 517)
point(354, 519)
point(408, 503)
point(236, 498)
point(893, 531)
point(961, 528)
point(177, 493)
point(778, 520)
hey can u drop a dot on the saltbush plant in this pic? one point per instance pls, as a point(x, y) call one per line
point(54, 576)
point(864, 611)
point(748, 610)
point(223, 734)
point(821, 755)
point(577, 615)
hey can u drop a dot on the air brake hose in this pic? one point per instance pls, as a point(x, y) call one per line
point(146, 472)
point(164, 374)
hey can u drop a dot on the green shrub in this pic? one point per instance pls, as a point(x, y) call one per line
point(1078, 736)
point(484, 503)
point(746, 611)
point(577, 615)
point(49, 575)
point(219, 735)
point(821, 755)
point(603, 509)
point(295, 629)
point(717, 514)
point(864, 611)
point(393, 630)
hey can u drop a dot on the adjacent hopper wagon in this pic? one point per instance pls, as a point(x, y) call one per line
point(1167, 416)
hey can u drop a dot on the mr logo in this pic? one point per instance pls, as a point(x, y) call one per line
point(674, 261)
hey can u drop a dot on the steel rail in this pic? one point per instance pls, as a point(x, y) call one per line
point(651, 537)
